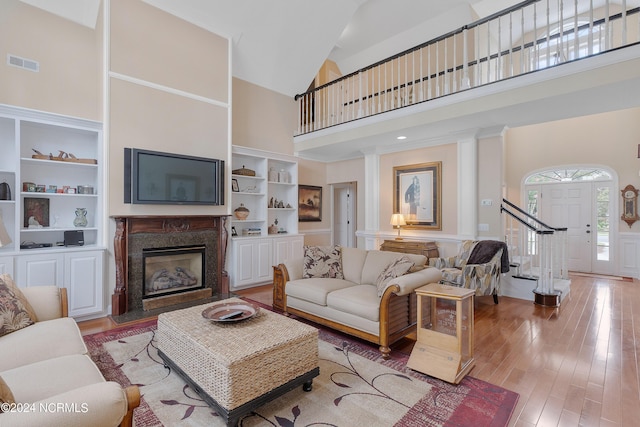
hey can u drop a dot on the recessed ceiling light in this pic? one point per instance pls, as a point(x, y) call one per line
point(402, 137)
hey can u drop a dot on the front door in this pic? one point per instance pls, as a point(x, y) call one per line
point(569, 205)
point(582, 207)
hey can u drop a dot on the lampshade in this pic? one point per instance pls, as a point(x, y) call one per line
point(397, 220)
point(4, 236)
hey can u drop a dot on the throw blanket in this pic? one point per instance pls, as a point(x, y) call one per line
point(484, 250)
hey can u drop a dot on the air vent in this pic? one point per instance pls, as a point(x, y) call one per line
point(27, 64)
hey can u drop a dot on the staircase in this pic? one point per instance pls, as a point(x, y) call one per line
point(537, 254)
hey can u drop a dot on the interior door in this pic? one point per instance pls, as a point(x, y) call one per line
point(570, 205)
point(344, 220)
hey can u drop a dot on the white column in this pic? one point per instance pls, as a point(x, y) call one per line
point(467, 188)
point(372, 198)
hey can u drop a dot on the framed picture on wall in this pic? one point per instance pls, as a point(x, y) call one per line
point(309, 203)
point(36, 212)
point(417, 194)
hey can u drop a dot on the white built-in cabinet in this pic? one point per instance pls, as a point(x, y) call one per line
point(77, 150)
point(269, 235)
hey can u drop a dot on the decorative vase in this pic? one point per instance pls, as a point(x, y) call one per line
point(241, 212)
point(81, 217)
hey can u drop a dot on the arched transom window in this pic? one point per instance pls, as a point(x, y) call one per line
point(568, 175)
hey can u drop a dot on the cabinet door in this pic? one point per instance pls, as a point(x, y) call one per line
point(6, 265)
point(287, 248)
point(40, 270)
point(83, 280)
point(252, 259)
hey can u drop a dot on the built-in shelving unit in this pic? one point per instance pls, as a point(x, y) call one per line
point(53, 165)
point(269, 234)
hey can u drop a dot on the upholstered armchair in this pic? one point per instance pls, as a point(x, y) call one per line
point(478, 265)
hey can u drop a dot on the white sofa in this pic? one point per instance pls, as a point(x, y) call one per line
point(353, 304)
point(49, 375)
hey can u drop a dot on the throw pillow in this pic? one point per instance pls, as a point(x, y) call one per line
point(396, 269)
point(322, 261)
point(15, 311)
point(5, 394)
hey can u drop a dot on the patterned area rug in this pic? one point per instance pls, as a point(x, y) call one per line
point(355, 387)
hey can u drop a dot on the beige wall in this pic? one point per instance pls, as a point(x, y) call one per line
point(152, 45)
point(262, 119)
point(447, 154)
point(69, 81)
point(490, 185)
point(150, 48)
point(608, 139)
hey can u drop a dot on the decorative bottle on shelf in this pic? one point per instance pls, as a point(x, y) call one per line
point(283, 176)
point(273, 174)
point(81, 217)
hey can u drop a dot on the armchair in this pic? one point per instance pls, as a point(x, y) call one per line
point(45, 365)
point(478, 265)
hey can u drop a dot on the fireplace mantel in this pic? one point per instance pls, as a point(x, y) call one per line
point(128, 226)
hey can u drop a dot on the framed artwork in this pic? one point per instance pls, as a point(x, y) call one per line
point(309, 203)
point(36, 212)
point(417, 195)
point(234, 185)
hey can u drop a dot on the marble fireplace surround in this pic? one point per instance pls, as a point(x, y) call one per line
point(134, 233)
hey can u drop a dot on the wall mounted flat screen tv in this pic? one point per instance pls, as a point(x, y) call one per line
point(153, 177)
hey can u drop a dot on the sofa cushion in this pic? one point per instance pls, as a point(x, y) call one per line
point(50, 377)
point(322, 261)
point(15, 311)
point(315, 290)
point(396, 268)
point(43, 340)
point(352, 263)
point(378, 260)
point(359, 300)
point(6, 396)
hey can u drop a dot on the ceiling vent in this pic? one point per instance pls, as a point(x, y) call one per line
point(27, 64)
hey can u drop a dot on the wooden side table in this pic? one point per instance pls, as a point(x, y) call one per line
point(428, 249)
point(444, 348)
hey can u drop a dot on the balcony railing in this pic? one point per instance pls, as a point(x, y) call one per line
point(530, 36)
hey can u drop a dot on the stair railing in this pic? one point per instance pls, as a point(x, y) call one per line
point(537, 250)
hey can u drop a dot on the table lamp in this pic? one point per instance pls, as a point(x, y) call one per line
point(397, 220)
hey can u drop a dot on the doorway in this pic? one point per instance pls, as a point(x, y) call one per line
point(582, 200)
point(343, 220)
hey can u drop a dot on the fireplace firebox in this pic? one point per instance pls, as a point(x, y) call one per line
point(172, 270)
point(134, 234)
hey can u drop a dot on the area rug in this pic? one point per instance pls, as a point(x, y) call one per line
point(355, 387)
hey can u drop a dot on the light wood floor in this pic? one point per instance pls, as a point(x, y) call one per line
point(574, 365)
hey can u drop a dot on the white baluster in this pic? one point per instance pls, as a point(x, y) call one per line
point(429, 72)
point(465, 60)
point(421, 77)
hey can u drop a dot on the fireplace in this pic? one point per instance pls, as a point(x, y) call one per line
point(142, 244)
point(172, 270)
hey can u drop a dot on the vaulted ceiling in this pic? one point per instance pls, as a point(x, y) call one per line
point(281, 44)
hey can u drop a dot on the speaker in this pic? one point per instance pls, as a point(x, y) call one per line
point(74, 238)
point(5, 191)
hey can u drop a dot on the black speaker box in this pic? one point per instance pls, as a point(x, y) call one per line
point(74, 238)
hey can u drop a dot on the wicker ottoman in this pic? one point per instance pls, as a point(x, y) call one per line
point(237, 367)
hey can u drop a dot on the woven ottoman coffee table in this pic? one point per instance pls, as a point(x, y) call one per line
point(237, 366)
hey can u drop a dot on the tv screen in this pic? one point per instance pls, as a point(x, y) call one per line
point(153, 177)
